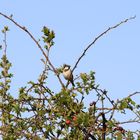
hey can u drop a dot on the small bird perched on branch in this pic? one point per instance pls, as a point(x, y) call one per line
point(68, 73)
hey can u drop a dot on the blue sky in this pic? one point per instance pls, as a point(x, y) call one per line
point(114, 58)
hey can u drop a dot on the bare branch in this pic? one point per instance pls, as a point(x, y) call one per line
point(99, 36)
point(135, 93)
point(38, 45)
point(130, 121)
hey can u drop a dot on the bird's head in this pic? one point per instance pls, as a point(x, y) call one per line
point(66, 67)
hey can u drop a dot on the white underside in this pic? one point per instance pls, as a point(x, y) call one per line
point(67, 74)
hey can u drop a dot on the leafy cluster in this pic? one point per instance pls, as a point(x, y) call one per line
point(48, 37)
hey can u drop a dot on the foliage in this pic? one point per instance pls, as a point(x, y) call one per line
point(40, 113)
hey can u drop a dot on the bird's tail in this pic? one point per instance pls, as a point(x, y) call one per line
point(72, 83)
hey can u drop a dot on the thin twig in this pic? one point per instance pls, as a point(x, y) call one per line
point(40, 85)
point(5, 43)
point(98, 37)
point(135, 93)
point(130, 121)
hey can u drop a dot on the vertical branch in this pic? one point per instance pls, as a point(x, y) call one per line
point(103, 118)
point(5, 43)
point(104, 127)
point(5, 73)
point(5, 56)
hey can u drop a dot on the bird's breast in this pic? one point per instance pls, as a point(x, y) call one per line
point(67, 74)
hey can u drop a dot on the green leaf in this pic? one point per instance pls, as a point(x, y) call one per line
point(6, 28)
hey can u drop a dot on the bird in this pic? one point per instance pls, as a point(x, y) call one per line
point(67, 73)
